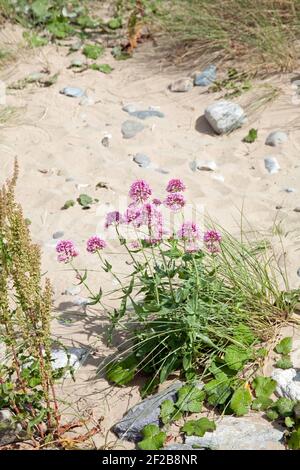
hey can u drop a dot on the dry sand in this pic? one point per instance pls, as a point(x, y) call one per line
point(57, 135)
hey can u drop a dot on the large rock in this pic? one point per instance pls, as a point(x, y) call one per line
point(244, 433)
point(205, 78)
point(9, 430)
point(146, 412)
point(225, 116)
point(288, 383)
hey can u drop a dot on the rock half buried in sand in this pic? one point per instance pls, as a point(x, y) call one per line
point(70, 357)
point(146, 412)
point(131, 128)
point(244, 433)
point(142, 160)
point(206, 165)
point(205, 78)
point(9, 430)
point(147, 113)
point(272, 165)
point(276, 138)
point(182, 85)
point(288, 383)
point(225, 116)
point(73, 92)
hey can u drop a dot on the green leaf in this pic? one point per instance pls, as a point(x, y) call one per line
point(285, 346)
point(289, 422)
point(284, 363)
point(235, 357)
point(241, 401)
point(123, 371)
point(190, 399)
point(218, 390)
point(60, 30)
point(115, 23)
point(68, 204)
point(34, 40)
point(149, 386)
point(153, 438)
point(262, 403)
point(104, 68)
point(294, 440)
point(272, 415)
point(118, 54)
point(93, 51)
point(285, 406)
point(168, 412)
point(84, 200)
point(198, 427)
point(169, 365)
point(264, 386)
point(251, 136)
point(40, 9)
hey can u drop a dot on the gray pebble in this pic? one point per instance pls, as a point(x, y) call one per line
point(73, 92)
point(276, 138)
point(147, 113)
point(205, 78)
point(142, 160)
point(182, 85)
point(272, 165)
point(105, 141)
point(206, 165)
point(225, 116)
point(131, 128)
point(297, 209)
point(58, 234)
point(290, 190)
point(193, 165)
point(69, 179)
point(298, 272)
point(162, 171)
point(278, 207)
point(129, 108)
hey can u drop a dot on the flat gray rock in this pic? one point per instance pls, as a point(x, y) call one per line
point(142, 160)
point(146, 412)
point(288, 383)
point(58, 234)
point(205, 78)
point(244, 433)
point(272, 165)
point(276, 138)
point(182, 85)
point(131, 128)
point(73, 92)
point(225, 116)
point(9, 430)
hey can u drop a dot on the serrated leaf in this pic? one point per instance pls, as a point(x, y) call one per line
point(123, 371)
point(285, 406)
point(262, 403)
point(241, 401)
point(272, 415)
point(168, 412)
point(93, 51)
point(294, 440)
point(264, 386)
point(190, 399)
point(235, 357)
point(153, 438)
point(285, 346)
point(198, 427)
point(284, 363)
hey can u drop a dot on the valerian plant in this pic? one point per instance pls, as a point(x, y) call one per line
point(197, 302)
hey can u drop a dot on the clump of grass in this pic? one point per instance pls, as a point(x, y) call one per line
point(259, 34)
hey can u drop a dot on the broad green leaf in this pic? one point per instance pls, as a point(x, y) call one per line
point(284, 363)
point(153, 438)
point(262, 403)
point(244, 334)
point(264, 386)
point(198, 427)
point(218, 390)
point(168, 412)
point(294, 440)
point(289, 422)
point(84, 200)
point(241, 401)
point(60, 30)
point(40, 9)
point(285, 346)
point(285, 406)
point(123, 371)
point(93, 51)
point(190, 399)
point(115, 23)
point(272, 414)
point(235, 357)
point(104, 68)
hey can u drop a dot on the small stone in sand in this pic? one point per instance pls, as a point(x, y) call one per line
point(182, 85)
point(276, 138)
point(142, 160)
point(129, 108)
point(272, 165)
point(225, 116)
point(162, 171)
point(206, 165)
point(73, 92)
point(278, 207)
point(73, 290)
point(69, 179)
point(298, 272)
point(58, 234)
point(105, 141)
point(147, 113)
point(290, 190)
point(131, 128)
point(205, 78)
point(297, 209)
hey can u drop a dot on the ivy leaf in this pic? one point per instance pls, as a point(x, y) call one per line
point(123, 371)
point(285, 346)
point(262, 403)
point(168, 412)
point(68, 204)
point(85, 201)
point(294, 440)
point(251, 136)
point(264, 386)
point(284, 363)
point(235, 357)
point(190, 399)
point(93, 51)
point(198, 427)
point(285, 406)
point(241, 401)
point(272, 415)
point(153, 438)
point(289, 422)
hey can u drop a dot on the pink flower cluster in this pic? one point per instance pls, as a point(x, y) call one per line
point(95, 244)
point(175, 186)
point(140, 191)
point(66, 251)
point(212, 240)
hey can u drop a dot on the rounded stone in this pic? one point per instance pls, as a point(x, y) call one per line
point(58, 234)
point(276, 138)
